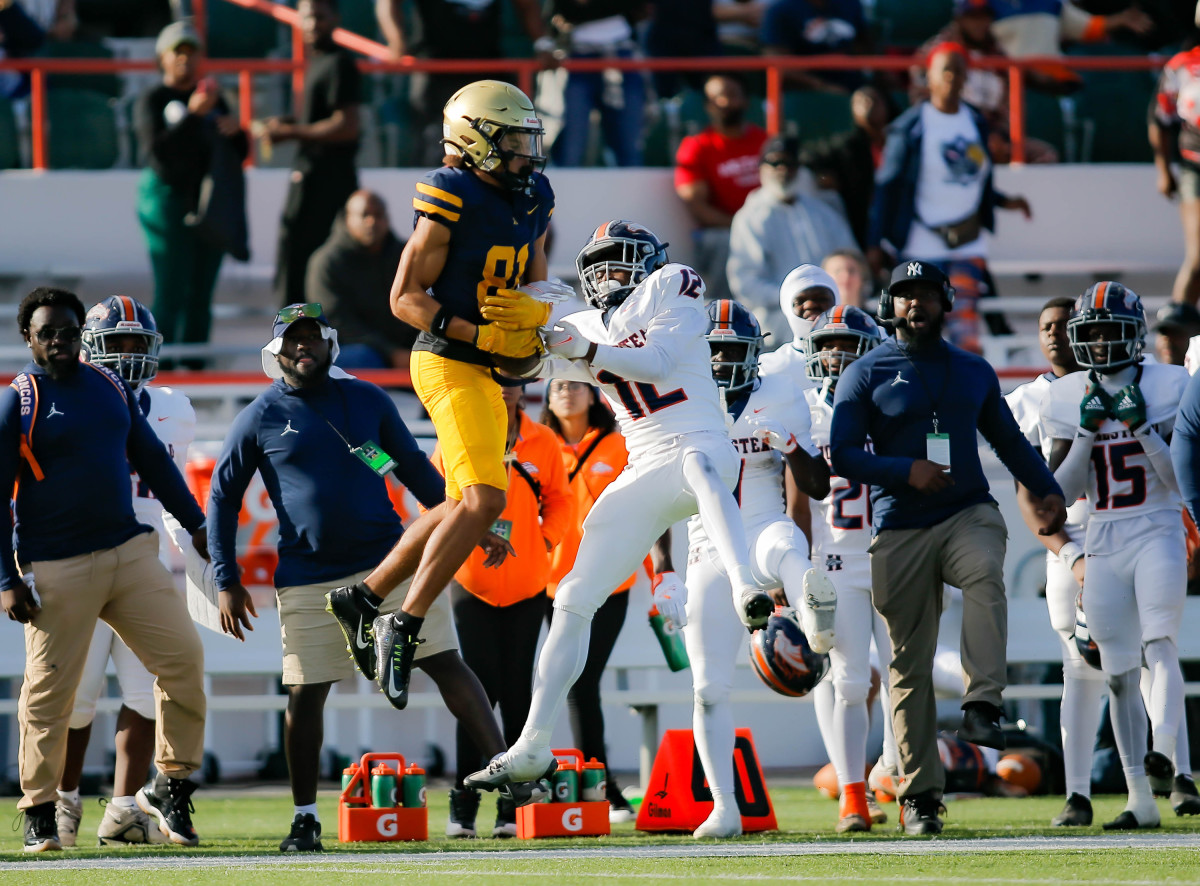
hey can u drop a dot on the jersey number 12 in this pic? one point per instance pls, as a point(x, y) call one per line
point(640, 398)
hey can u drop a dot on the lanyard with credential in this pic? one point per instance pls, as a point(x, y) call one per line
point(937, 444)
point(369, 453)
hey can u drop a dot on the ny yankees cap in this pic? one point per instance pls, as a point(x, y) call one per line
point(908, 273)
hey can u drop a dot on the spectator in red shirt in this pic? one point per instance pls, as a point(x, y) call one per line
point(715, 170)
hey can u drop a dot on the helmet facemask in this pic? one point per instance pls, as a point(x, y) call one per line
point(740, 373)
point(136, 368)
point(1123, 348)
point(505, 144)
point(831, 363)
point(600, 261)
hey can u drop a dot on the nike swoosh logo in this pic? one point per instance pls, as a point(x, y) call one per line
point(163, 418)
point(393, 689)
point(358, 637)
point(532, 211)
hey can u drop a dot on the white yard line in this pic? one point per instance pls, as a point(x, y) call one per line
point(459, 863)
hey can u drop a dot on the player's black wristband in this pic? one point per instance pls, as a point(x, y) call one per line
point(441, 322)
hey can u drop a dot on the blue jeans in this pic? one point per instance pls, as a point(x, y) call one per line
point(620, 127)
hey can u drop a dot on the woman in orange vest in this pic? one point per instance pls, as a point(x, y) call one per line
point(594, 454)
point(498, 610)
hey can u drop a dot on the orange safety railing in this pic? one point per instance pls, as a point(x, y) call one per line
point(525, 69)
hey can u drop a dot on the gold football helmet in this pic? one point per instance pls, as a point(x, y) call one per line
point(489, 123)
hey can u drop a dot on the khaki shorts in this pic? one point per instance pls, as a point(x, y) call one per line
point(314, 648)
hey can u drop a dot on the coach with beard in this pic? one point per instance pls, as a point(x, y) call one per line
point(921, 402)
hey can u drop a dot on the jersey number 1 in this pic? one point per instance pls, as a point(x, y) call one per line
point(640, 398)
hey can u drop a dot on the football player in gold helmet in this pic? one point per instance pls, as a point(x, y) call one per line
point(480, 234)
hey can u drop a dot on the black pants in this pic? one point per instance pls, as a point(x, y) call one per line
point(587, 717)
point(312, 204)
point(499, 644)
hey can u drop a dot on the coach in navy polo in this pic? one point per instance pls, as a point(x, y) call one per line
point(70, 433)
point(306, 435)
point(921, 401)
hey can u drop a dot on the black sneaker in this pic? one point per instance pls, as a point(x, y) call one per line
point(1161, 772)
point(1076, 813)
point(1185, 800)
point(981, 725)
point(522, 793)
point(354, 616)
point(41, 833)
point(506, 818)
point(919, 815)
point(305, 835)
point(464, 807)
point(170, 801)
point(395, 650)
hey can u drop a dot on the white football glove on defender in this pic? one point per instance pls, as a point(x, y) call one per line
point(549, 292)
point(773, 433)
point(670, 598)
point(565, 340)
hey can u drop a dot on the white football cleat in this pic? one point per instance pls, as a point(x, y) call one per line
point(513, 766)
point(754, 608)
point(724, 821)
point(817, 609)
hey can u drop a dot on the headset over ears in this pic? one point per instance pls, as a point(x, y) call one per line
point(910, 272)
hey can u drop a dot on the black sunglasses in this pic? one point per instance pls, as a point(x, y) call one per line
point(67, 334)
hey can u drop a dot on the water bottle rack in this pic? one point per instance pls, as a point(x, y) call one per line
point(572, 818)
point(360, 821)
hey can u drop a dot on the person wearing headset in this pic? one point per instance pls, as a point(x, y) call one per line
point(921, 402)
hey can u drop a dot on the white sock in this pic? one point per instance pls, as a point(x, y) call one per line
point(822, 696)
point(124, 802)
point(1079, 716)
point(1129, 727)
point(849, 741)
point(1183, 752)
point(70, 796)
point(1165, 705)
point(712, 725)
point(558, 667)
point(722, 520)
point(309, 809)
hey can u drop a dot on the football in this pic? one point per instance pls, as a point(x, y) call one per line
point(518, 367)
point(1020, 771)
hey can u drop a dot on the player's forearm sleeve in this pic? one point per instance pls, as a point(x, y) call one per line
point(230, 478)
point(1072, 474)
point(1158, 453)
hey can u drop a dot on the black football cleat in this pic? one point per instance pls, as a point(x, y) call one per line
point(394, 649)
point(1161, 772)
point(1185, 800)
point(354, 616)
point(305, 835)
point(1076, 813)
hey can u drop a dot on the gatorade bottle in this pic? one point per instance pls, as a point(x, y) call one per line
point(566, 784)
point(383, 786)
point(347, 776)
point(412, 787)
point(670, 640)
point(594, 778)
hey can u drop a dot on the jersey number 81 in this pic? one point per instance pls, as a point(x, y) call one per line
point(502, 269)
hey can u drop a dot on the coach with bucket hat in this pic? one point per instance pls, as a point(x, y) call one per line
point(921, 402)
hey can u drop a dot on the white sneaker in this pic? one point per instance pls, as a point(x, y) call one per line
point(817, 611)
point(724, 821)
point(754, 608)
point(123, 825)
point(67, 815)
point(513, 766)
point(883, 780)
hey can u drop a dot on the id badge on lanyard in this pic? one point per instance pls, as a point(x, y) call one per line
point(373, 456)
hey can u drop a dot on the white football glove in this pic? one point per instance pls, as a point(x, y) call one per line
point(565, 340)
point(550, 292)
point(773, 433)
point(670, 598)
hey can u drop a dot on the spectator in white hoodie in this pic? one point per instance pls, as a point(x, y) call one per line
point(807, 292)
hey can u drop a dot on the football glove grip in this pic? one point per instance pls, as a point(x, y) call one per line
point(773, 434)
point(565, 340)
point(1095, 408)
point(670, 598)
point(495, 339)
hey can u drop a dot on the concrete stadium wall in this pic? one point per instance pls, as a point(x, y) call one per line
point(1086, 218)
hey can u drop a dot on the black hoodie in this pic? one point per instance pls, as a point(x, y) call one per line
point(352, 284)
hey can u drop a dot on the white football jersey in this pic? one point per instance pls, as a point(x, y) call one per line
point(1122, 484)
point(1025, 401)
point(760, 490)
point(666, 311)
point(842, 520)
point(171, 415)
point(788, 361)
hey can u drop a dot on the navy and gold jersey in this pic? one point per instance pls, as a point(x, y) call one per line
point(492, 236)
